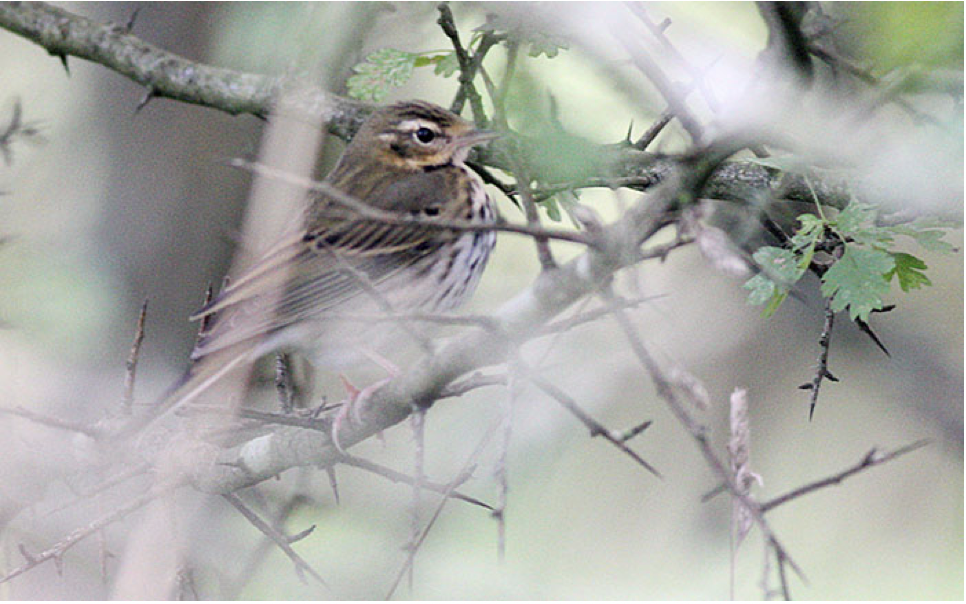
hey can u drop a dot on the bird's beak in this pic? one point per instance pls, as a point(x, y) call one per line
point(476, 137)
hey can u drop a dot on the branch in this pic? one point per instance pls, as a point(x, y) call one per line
point(58, 549)
point(595, 427)
point(167, 75)
point(871, 459)
point(282, 541)
point(164, 74)
point(217, 470)
point(821, 372)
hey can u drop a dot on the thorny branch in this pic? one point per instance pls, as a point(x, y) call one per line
point(821, 372)
point(56, 551)
point(283, 542)
point(871, 459)
point(64, 34)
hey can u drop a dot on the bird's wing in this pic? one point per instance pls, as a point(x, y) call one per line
point(312, 271)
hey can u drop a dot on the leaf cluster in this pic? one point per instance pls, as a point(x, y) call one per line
point(858, 262)
point(389, 67)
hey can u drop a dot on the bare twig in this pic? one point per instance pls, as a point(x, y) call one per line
point(871, 459)
point(467, 71)
point(284, 387)
point(132, 361)
point(282, 541)
point(77, 535)
point(394, 476)
point(651, 133)
point(522, 175)
point(465, 473)
point(699, 434)
point(477, 380)
point(595, 427)
point(670, 91)
point(53, 422)
point(821, 372)
point(369, 212)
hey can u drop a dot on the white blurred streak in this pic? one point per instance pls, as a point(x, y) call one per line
point(155, 553)
point(894, 158)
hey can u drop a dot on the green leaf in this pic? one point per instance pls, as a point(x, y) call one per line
point(779, 264)
point(765, 291)
point(855, 216)
point(857, 281)
point(761, 288)
point(447, 65)
point(928, 238)
point(540, 43)
point(872, 236)
point(552, 209)
point(909, 271)
point(780, 269)
point(810, 232)
point(543, 44)
point(382, 69)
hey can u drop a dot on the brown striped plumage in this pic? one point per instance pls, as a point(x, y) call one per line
point(407, 159)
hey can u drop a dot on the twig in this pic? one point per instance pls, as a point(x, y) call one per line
point(283, 382)
point(394, 476)
point(542, 242)
point(467, 71)
point(651, 133)
point(77, 535)
point(282, 419)
point(465, 473)
point(165, 74)
point(132, 362)
point(282, 541)
point(477, 380)
point(53, 422)
point(508, 403)
point(871, 459)
point(672, 96)
point(367, 212)
point(593, 315)
point(418, 422)
point(595, 427)
point(658, 31)
point(699, 433)
point(258, 554)
point(821, 372)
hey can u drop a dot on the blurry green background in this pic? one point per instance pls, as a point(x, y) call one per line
point(117, 207)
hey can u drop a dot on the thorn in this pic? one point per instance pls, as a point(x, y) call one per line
point(828, 375)
point(148, 97)
point(63, 61)
point(806, 386)
point(302, 535)
point(26, 554)
point(630, 130)
point(635, 431)
point(130, 22)
point(867, 330)
point(334, 483)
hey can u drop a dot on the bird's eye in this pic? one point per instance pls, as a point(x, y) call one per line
point(425, 135)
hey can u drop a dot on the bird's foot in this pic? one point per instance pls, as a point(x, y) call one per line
point(355, 399)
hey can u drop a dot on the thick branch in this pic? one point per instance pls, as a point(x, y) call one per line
point(165, 74)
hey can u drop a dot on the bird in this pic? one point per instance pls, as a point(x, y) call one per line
point(364, 244)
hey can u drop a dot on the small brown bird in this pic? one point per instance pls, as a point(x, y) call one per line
point(407, 160)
